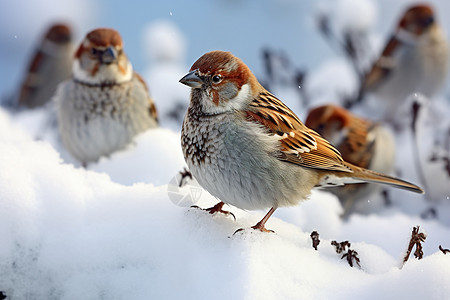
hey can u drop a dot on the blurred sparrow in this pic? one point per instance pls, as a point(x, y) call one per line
point(51, 64)
point(245, 147)
point(361, 142)
point(414, 60)
point(105, 104)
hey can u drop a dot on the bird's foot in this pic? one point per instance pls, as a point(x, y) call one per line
point(216, 209)
point(259, 226)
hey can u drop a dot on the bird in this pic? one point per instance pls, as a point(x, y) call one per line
point(361, 142)
point(50, 65)
point(105, 104)
point(414, 60)
point(248, 149)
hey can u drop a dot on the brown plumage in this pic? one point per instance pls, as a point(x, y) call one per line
point(50, 65)
point(362, 143)
point(248, 149)
point(414, 60)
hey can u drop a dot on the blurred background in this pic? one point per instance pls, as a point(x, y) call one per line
point(242, 27)
point(290, 46)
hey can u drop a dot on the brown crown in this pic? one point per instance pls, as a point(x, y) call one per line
point(59, 33)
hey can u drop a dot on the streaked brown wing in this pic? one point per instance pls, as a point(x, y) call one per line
point(298, 144)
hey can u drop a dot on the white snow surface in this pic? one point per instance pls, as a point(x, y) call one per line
point(72, 233)
point(123, 229)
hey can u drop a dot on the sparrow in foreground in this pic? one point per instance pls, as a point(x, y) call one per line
point(105, 104)
point(50, 65)
point(414, 60)
point(245, 147)
point(361, 142)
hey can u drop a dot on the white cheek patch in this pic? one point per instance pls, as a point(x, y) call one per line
point(237, 103)
point(107, 73)
point(241, 99)
point(79, 73)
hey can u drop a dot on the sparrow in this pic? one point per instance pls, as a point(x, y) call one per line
point(50, 65)
point(105, 103)
point(361, 142)
point(248, 149)
point(414, 60)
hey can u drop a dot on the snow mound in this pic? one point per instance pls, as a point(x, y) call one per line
point(71, 233)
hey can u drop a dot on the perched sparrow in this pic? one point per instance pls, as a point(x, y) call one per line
point(361, 142)
point(51, 64)
point(414, 60)
point(245, 147)
point(105, 104)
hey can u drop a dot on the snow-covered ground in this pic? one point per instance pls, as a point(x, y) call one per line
point(123, 229)
point(71, 233)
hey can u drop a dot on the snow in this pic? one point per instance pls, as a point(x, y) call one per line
point(72, 233)
point(123, 229)
point(354, 15)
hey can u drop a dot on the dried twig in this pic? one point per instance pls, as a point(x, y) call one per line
point(340, 247)
point(185, 173)
point(445, 156)
point(315, 239)
point(445, 251)
point(430, 213)
point(416, 239)
point(350, 256)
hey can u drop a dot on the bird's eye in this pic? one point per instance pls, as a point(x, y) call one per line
point(320, 128)
point(94, 51)
point(217, 78)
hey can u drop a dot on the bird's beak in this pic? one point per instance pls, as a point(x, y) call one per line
point(109, 55)
point(192, 79)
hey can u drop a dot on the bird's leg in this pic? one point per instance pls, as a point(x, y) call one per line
point(216, 209)
point(260, 225)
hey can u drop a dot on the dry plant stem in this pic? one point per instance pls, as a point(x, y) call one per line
point(350, 256)
point(445, 251)
point(315, 239)
point(416, 240)
point(185, 173)
point(340, 247)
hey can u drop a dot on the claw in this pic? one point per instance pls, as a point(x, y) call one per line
point(216, 209)
point(259, 226)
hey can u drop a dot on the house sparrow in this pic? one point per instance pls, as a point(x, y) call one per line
point(247, 148)
point(414, 60)
point(105, 104)
point(361, 142)
point(51, 64)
